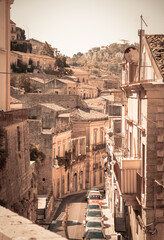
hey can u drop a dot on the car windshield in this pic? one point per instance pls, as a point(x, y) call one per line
point(94, 224)
point(94, 197)
point(95, 235)
point(94, 214)
point(90, 206)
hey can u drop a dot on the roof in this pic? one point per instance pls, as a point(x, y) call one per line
point(11, 22)
point(41, 80)
point(32, 55)
point(14, 100)
point(66, 81)
point(91, 115)
point(156, 45)
point(64, 115)
point(86, 86)
point(53, 106)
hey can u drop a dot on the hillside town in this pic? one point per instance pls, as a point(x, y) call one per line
point(72, 128)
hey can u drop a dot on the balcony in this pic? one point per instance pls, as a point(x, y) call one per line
point(119, 221)
point(96, 147)
point(126, 174)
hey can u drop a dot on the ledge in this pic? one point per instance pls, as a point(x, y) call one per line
point(13, 226)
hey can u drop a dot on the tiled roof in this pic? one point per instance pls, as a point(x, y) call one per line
point(53, 106)
point(14, 100)
point(156, 44)
point(11, 22)
point(92, 115)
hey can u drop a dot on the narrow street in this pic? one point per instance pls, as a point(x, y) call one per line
point(76, 208)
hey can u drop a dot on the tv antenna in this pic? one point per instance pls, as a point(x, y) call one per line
point(141, 32)
point(143, 21)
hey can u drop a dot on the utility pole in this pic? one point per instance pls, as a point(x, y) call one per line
point(140, 34)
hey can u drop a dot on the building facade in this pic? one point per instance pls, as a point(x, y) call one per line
point(5, 54)
point(137, 180)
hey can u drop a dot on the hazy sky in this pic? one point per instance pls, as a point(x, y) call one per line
point(78, 25)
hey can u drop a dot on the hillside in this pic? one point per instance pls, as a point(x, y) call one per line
point(99, 60)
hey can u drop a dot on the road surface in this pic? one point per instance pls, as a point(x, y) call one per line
point(76, 209)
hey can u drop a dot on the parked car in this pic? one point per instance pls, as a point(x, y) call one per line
point(91, 191)
point(93, 234)
point(95, 198)
point(93, 206)
point(96, 224)
point(94, 215)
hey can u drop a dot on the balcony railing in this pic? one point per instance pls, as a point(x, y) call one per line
point(139, 183)
point(96, 147)
point(119, 222)
point(125, 172)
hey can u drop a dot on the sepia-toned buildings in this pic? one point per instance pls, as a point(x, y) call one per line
point(137, 180)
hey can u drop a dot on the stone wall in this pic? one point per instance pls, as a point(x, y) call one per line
point(67, 101)
point(43, 142)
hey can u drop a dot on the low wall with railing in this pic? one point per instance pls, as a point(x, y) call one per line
point(13, 226)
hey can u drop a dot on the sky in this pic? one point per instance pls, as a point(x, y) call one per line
point(78, 25)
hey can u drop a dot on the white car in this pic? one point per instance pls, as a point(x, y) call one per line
point(93, 207)
point(94, 215)
point(96, 224)
point(94, 234)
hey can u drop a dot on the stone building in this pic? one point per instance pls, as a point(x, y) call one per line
point(39, 61)
point(137, 183)
point(43, 126)
point(16, 33)
point(18, 187)
point(5, 55)
point(83, 166)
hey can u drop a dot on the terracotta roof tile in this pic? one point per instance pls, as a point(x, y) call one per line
point(156, 44)
point(88, 116)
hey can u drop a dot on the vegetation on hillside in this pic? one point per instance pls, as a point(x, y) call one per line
point(104, 58)
point(21, 46)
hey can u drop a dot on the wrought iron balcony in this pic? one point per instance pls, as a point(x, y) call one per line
point(125, 172)
point(96, 147)
point(119, 221)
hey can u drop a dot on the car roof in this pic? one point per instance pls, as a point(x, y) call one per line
point(94, 193)
point(93, 204)
point(95, 220)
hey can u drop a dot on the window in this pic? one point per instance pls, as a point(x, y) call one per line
point(94, 179)
point(101, 136)
point(100, 176)
point(68, 182)
point(58, 151)
point(95, 137)
point(18, 138)
point(63, 150)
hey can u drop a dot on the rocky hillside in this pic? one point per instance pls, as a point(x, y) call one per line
point(101, 59)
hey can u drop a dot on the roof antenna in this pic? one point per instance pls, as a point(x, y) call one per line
point(140, 34)
point(143, 21)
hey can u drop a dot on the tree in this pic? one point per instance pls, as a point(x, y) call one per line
point(23, 81)
point(47, 50)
